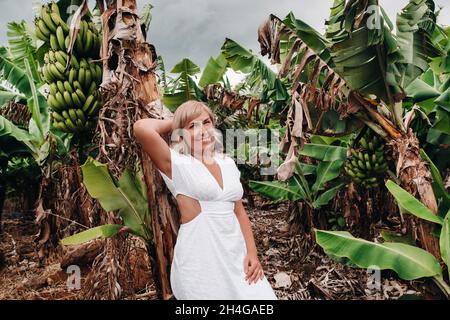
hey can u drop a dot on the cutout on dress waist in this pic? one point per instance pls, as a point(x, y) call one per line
point(192, 205)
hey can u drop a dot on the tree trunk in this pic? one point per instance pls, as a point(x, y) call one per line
point(415, 177)
point(131, 90)
point(3, 168)
point(413, 172)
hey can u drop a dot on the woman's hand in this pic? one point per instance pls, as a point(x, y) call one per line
point(252, 268)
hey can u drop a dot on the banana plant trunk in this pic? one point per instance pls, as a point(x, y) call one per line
point(128, 63)
point(412, 171)
point(3, 167)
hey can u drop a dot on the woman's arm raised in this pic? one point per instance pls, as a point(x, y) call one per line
point(148, 132)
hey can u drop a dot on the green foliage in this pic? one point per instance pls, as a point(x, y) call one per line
point(103, 231)
point(410, 204)
point(407, 261)
point(127, 196)
point(316, 193)
point(184, 87)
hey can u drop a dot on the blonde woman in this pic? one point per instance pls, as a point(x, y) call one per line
point(215, 254)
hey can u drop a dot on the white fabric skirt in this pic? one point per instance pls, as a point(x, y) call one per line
point(209, 254)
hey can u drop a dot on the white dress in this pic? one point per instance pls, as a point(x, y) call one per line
point(208, 262)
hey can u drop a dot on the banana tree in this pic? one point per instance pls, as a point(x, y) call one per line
point(428, 104)
point(408, 261)
point(314, 185)
point(361, 68)
point(127, 196)
point(260, 92)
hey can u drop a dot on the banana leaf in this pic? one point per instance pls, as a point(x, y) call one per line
point(326, 171)
point(277, 190)
point(13, 73)
point(8, 94)
point(184, 87)
point(103, 231)
point(121, 196)
point(326, 197)
point(214, 71)
point(8, 129)
point(415, 27)
point(438, 182)
point(324, 152)
point(410, 204)
point(407, 261)
point(365, 57)
point(444, 241)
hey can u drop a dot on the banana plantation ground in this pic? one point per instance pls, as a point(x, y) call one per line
point(294, 268)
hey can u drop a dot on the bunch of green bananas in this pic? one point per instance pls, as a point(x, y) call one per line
point(49, 23)
point(88, 39)
point(85, 71)
point(367, 164)
point(73, 85)
point(51, 28)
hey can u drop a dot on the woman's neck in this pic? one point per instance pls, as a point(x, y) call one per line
point(205, 156)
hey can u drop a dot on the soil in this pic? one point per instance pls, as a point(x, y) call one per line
point(295, 268)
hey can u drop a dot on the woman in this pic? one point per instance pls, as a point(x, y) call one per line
point(215, 254)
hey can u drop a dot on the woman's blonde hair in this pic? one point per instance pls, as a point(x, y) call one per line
point(184, 114)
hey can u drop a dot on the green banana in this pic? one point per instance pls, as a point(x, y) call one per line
point(61, 38)
point(60, 58)
point(52, 103)
point(81, 115)
point(68, 99)
point(76, 100)
point(360, 175)
point(43, 28)
point(74, 62)
point(68, 87)
point(65, 114)
point(51, 56)
point(48, 76)
point(89, 41)
point(60, 86)
point(70, 124)
point(80, 124)
point(60, 99)
point(55, 72)
point(92, 88)
point(81, 95)
point(77, 85)
point(363, 143)
point(360, 156)
point(39, 34)
point(67, 42)
point(81, 76)
point(57, 116)
point(78, 43)
point(54, 42)
point(88, 103)
point(94, 109)
point(84, 63)
point(53, 88)
point(98, 73)
point(87, 79)
point(60, 67)
point(72, 75)
point(45, 15)
point(73, 115)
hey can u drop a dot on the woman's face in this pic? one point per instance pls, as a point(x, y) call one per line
point(200, 132)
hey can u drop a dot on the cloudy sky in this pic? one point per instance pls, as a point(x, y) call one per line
point(196, 29)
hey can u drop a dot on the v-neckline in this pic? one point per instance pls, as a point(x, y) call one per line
point(222, 188)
